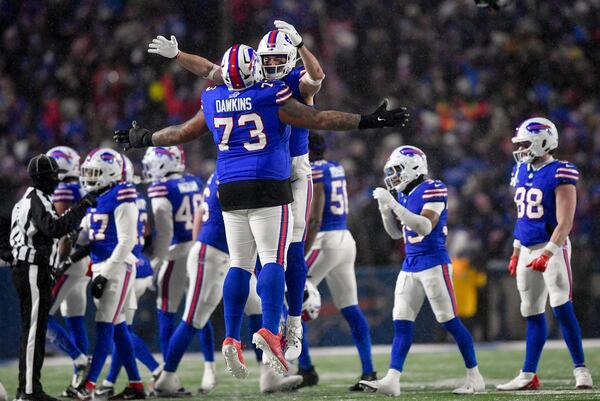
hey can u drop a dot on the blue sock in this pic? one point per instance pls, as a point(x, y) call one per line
point(104, 340)
point(58, 336)
point(254, 324)
point(271, 287)
point(361, 335)
point(178, 345)
point(235, 294)
point(537, 332)
point(463, 339)
point(142, 353)
point(257, 267)
point(403, 338)
point(166, 323)
point(207, 342)
point(571, 332)
point(76, 326)
point(304, 361)
point(295, 277)
point(115, 366)
point(124, 347)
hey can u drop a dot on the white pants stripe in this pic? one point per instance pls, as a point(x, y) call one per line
point(35, 305)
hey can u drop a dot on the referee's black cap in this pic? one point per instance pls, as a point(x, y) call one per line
point(42, 165)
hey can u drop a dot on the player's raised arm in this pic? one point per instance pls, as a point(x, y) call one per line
point(195, 64)
point(299, 115)
point(138, 137)
point(422, 223)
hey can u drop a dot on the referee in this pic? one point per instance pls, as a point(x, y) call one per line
point(35, 231)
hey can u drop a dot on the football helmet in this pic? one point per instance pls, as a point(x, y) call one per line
point(162, 160)
point(405, 164)
point(102, 168)
point(68, 161)
point(129, 170)
point(276, 43)
point(240, 67)
point(541, 135)
point(311, 306)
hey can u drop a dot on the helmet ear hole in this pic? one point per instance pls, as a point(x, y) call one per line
point(544, 144)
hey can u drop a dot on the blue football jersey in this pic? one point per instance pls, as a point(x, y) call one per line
point(333, 177)
point(185, 195)
point(213, 227)
point(143, 267)
point(536, 200)
point(68, 192)
point(425, 252)
point(252, 141)
point(142, 221)
point(103, 231)
point(298, 136)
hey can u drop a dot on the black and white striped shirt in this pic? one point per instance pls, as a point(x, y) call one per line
point(36, 228)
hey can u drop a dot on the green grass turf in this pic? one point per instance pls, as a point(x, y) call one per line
point(428, 376)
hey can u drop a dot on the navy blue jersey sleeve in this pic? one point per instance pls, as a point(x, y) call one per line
point(566, 173)
point(127, 193)
point(158, 190)
point(436, 191)
point(318, 171)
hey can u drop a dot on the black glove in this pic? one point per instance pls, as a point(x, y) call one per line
point(382, 117)
point(135, 137)
point(98, 285)
point(89, 200)
point(488, 3)
point(56, 273)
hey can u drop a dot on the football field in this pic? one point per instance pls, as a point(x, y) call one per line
point(430, 374)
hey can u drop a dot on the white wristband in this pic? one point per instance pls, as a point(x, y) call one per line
point(311, 81)
point(552, 248)
point(211, 74)
point(517, 244)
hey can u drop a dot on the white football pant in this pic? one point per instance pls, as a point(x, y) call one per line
point(70, 292)
point(140, 285)
point(172, 279)
point(118, 294)
point(302, 188)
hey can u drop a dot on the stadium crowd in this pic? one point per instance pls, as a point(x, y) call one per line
point(73, 71)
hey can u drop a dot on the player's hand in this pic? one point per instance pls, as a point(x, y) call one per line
point(290, 31)
point(164, 47)
point(540, 263)
point(382, 117)
point(134, 137)
point(89, 200)
point(512, 265)
point(98, 286)
point(384, 197)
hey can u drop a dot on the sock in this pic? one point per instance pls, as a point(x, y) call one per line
point(360, 334)
point(124, 346)
point(58, 336)
point(403, 337)
point(104, 340)
point(463, 339)
point(537, 332)
point(76, 326)
point(207, 342)
point(571, 332)
point(271, 287)
point(107, 383)
point(141, 351)
point(115, 366)
point(254, 324)
point(166, 323)
point(257, 268)
point(235, 294)
point(295, 278)
point(393, 375)
point(178, 345)
point(304, 361)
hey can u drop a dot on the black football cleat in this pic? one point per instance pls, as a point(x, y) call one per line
point(366, 376)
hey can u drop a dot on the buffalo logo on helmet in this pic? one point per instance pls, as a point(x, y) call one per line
point(411, 152)
point(535, 127)
point(108, 157)
point(164, 152)
point(59, 154)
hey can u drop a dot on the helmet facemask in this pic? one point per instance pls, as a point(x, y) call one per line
point(91, 178)
point(276, 65)
point(525, 152)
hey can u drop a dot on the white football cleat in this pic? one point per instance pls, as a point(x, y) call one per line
point(271, 382)
point(293, 339)
point(169, 385)
point(525, 381)
point(473, 384)
point(583, 378)
point(385, 386)
point(209, 378)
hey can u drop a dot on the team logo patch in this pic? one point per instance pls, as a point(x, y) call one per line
point(164, 152)
point(411, 152)
point(59, 154)
point(536, 127)
point(108, 157)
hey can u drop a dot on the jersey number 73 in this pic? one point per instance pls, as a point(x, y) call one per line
point(256, 133)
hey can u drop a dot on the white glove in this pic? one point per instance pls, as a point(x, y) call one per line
point(290, 31)
point(164, 47)
point(384, 197)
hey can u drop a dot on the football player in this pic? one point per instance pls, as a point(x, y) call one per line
point(546, 199)
point(175, 197)
point(143, 281)
point(112, 230)
point(250, 119)
point(421, 206)
point(331, 254)
point(278, 50)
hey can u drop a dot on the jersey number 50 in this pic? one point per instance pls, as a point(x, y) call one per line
point(529, 202)
point(257, 132)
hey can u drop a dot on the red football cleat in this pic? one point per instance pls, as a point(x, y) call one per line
point(232, 352)
point(270, 345)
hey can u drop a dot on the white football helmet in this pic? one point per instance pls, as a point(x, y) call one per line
point(276, 43)
point(68, 161)
point(102, 168)
point(130, 171)
point(405, 164)
point(541, 135)
point(240, 67)
point(311, 306)
point(162, 160)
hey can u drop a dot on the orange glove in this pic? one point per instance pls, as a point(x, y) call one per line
point(512, 265)
point(540, 263)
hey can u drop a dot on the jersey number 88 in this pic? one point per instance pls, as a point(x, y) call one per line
point(529, 202)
